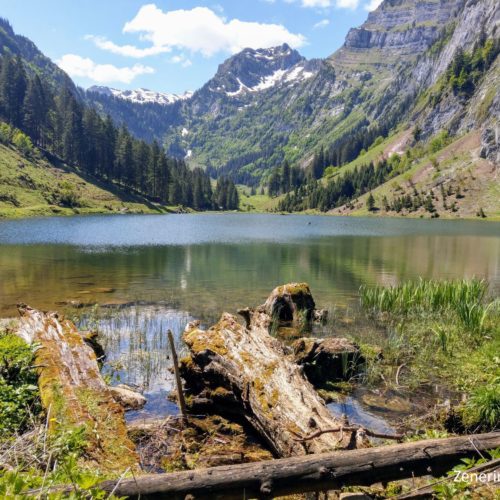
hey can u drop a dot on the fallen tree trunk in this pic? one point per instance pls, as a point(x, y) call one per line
point(247, 372)
point(320, 472)
point(73, 391)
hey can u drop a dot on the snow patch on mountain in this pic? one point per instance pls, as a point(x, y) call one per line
point(142, 96)
point(280, 76)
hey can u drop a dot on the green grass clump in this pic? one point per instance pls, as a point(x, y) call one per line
point(482, 411)
point(444, 334)
point(463, 296)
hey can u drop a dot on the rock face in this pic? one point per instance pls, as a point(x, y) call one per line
point(410, 40)
point(327, 360)
point(490, 144)
point(140, 96)
point(250, 68)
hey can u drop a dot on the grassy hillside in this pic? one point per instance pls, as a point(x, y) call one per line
point(34, 186)
point(461, 184)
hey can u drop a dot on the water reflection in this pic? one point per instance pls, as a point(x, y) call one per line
point(208, 278)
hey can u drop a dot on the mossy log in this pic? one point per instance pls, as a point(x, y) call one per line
point(248, 372)
point(73, 391)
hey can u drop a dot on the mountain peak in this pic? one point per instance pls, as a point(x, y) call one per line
point(253, 70)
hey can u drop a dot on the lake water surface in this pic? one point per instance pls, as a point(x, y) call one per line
point(206, 263)
point(176, 268)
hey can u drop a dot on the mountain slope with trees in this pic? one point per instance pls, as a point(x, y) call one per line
point(264, 109)
point(43, 113)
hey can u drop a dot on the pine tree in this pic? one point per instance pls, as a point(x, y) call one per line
point(285, 177)
point(34, 110)
point(175, 193)
point(12, 90)
point(370, 203)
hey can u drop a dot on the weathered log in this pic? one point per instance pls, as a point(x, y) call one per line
point(490, 471)
point(180, 393)
point(248, 372)
point(328, 471)
point(73, 391)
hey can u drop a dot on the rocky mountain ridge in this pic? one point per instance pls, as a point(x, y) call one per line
point(269, 105)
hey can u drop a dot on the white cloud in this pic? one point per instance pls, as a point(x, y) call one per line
point(182, 60)
point(125, 50)
point(325, 4)
point(202, 30)
point(316, 3)
point(79, 66)
point(321, 24)
point(347, 4)
point(372, 5)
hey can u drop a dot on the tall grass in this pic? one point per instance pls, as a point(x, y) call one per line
point(465, 298)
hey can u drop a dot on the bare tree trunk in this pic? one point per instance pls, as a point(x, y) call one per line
point(73, 391)
point(322, 472)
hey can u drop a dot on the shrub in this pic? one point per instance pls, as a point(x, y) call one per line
point(19, 396)
point(22, 142)
point(439, 141)
point(5, 133)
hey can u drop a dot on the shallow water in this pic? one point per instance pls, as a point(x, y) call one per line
point(182, 267)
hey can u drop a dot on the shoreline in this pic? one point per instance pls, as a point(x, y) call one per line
point(168, 210)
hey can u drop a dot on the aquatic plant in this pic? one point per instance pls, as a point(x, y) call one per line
point(423, 296)
point(473, 314)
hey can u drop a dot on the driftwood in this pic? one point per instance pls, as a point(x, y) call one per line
point(248, 373)
point(320, 472)
point(245, 371)
point(327, 360)
point(73, 391)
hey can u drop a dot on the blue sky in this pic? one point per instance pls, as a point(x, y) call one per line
point(174, 45)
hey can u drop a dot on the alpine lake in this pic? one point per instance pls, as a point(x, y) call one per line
point(134, 277)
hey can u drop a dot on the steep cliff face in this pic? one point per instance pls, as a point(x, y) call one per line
point(454, 111)
point(397, 28)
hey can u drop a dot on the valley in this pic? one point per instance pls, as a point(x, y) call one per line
point(283, 281)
